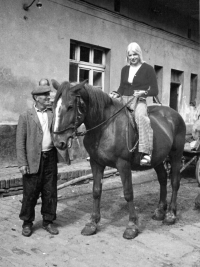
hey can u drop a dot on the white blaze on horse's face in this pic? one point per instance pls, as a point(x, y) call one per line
point(57, 114)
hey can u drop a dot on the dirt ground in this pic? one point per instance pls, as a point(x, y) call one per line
point(114, 208)
point(157, 245)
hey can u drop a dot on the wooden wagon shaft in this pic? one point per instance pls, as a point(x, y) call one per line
point(188, 163)
point(82, 178)
point(74, 181)
point(79, 179)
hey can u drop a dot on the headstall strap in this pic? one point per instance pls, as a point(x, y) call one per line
point(76, 120)
point(77, 116)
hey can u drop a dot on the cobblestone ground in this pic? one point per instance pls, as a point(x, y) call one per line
point(156, 245)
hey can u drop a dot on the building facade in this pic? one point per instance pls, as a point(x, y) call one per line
point(75, 40)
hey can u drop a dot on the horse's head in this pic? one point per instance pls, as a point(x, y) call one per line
point(69, 113)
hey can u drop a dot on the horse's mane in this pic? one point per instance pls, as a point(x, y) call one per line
point(98, 101)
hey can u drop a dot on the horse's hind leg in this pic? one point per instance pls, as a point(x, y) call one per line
point(97, 171)
point(124, 169)
point(175, 158)
point(159, 213)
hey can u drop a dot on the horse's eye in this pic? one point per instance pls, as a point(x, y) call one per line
point(69, 108)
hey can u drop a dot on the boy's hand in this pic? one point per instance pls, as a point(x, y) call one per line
point(24, 170)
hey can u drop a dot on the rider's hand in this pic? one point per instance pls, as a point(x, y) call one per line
point(24, 170)
point(114, 95)
point(139, 92)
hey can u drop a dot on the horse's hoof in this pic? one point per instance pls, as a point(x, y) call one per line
point(89, 229)
point(170, 218)
point(158, 215)
point(130, 232)
point(197, 202)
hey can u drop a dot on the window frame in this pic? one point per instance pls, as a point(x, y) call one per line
point(193, 89)
point(89, 65)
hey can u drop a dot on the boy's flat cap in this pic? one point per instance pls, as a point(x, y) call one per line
point(41, 90)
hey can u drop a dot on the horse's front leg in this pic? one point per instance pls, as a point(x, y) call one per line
point(124, 169)
point(159, 213)
point(97, 171)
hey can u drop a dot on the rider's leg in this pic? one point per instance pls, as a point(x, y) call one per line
point(145, 132)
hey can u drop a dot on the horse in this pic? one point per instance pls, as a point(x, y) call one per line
point(106, 122)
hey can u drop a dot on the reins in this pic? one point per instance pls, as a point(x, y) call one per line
point(76, 133)
point(127, 137)
point(78, 116)
point(85, 132)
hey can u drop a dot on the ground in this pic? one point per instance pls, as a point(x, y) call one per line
point(157, 244)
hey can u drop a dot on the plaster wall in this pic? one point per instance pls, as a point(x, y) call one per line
point(35, 45)
point(158, 14)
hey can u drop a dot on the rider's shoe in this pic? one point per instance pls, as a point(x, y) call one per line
point(146, 160)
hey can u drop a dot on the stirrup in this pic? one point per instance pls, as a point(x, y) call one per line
point(146, 160)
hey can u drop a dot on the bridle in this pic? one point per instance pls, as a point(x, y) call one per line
point(78, 117)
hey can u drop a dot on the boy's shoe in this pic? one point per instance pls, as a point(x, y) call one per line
point(51, 229)
point(27, 230)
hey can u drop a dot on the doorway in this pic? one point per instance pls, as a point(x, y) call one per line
point(176, 87)
point(174, 93)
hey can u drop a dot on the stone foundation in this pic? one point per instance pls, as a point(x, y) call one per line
point(8, 145)
point(8, 156)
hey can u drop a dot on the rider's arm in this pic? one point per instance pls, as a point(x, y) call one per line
point(153, 90)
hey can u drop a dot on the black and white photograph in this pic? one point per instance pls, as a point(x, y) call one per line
point(100, 133)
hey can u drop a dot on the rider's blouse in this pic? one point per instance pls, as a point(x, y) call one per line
point(144, 79)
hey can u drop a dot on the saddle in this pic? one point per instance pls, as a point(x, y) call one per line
point(131, 117)
point(131, 104)
point(130, 109)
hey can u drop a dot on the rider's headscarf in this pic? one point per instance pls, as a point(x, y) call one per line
point(134, 47)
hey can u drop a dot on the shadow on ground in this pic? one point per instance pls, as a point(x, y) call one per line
point(114, 209)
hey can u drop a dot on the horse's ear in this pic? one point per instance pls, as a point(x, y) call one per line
point(77, 87)
point(55, 84)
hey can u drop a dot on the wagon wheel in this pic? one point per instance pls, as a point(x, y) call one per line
point(197, 171)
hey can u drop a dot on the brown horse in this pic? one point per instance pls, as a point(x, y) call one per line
point(105, 140)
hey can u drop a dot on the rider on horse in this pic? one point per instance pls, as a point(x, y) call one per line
point(139, 79)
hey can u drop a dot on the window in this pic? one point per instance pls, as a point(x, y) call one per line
point(87, 62)
point(117, 5)
point(193, 89)
point(159, 76)
point(189, 33)
point(176, 88)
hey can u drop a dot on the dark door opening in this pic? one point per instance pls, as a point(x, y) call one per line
point(174, 95)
